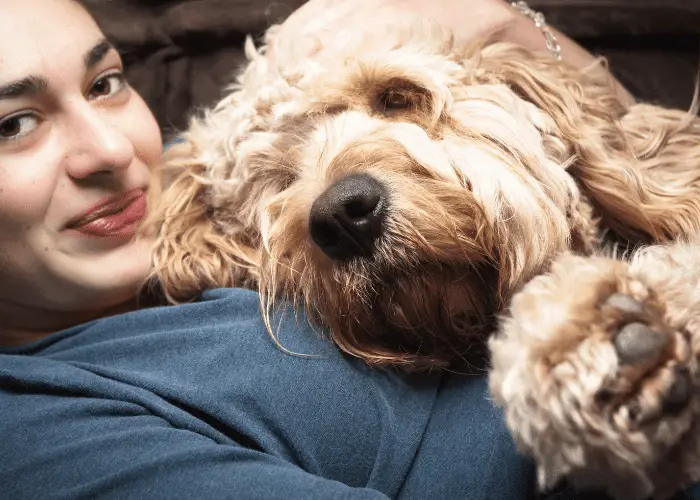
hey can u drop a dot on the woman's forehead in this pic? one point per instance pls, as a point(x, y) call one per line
point(43, 35)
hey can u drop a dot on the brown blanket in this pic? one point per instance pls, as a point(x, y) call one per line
point(181, 53)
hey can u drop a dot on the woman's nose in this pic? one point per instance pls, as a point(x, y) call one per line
point(96, 145)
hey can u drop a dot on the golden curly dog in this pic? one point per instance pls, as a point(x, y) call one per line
point(417, 198)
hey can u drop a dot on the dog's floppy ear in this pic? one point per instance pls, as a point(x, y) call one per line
point(192, 252)
point(194, 193)
point(639, 165)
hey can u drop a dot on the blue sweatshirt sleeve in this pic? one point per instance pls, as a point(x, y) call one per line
point(198, 402)
point(97, 448)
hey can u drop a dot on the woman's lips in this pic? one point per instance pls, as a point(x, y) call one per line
point(119, 218)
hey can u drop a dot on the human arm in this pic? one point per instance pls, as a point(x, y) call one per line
point(470, 20)
point(523, 31)
point(87, 447)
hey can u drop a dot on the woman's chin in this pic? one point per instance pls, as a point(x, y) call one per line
point(102, 280)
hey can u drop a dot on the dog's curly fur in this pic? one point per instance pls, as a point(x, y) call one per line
point(500, 166)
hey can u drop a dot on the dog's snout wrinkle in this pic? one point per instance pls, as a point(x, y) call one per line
point(346, 220)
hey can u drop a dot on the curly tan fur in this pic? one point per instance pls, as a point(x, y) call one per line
point(500, 162)
point(573, 404)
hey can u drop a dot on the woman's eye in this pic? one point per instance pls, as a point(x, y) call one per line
point(18, 126)
point(107, 86)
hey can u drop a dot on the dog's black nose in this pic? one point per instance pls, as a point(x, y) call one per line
point(346, 220)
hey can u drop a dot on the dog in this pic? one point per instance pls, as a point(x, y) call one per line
point(430, 204)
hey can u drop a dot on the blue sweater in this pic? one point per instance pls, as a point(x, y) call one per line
point(197, 402)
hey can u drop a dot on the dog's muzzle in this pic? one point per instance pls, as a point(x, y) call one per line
point(347, 219)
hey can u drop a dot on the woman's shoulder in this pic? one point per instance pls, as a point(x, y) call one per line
point(217, 312)
point(212, 368)
point(224, 324)
point(216, 349)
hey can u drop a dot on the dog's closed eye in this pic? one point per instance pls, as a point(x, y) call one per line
point(400, 96)
point(393, 100)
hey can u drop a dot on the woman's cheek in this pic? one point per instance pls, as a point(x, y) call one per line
point(144, 132)
point(25, 191)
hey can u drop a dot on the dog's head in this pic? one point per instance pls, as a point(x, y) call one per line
point(400, 190)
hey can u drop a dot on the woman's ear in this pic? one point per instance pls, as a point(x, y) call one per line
point(192, 252)
point(639, 165)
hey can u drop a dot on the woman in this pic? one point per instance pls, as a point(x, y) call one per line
point(103, 397)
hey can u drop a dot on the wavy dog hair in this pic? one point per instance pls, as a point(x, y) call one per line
point(494, 160)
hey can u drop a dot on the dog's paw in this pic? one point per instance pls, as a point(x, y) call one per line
point(596, 382)
point(652, 377)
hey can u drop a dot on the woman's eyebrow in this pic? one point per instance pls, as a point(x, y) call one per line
point(26, 86)
point(95, 55)
point(33, 85)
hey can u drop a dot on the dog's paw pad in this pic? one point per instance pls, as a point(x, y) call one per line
point(634, 339)
point(651, 380)
point(625, 303)
point(636, 343)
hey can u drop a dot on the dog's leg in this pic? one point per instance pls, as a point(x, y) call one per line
point(596, 366)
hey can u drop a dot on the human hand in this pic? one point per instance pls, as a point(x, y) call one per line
point(320, 24)
point(324, 21)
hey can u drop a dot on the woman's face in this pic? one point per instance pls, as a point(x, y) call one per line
point(75, 146)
